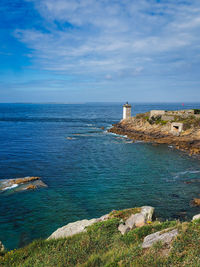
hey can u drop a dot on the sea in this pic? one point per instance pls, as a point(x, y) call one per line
point(89, 172)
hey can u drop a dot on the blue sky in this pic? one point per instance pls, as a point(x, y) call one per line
point(99, 50)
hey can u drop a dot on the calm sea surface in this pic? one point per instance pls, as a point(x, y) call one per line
point(89, 175)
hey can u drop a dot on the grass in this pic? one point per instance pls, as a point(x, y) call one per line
point(188, 122)
point(124, 214)
point(156, 120)
point(103, 245)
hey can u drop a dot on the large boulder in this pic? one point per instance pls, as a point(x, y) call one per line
point(76, 227)
point(2, 248)
point(72, 229)
point(147, 211)
point(196, 217)
point(123, 228)
point(162, 236)
point(137, 220)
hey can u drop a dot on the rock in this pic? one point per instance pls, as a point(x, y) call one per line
point(130, 222)
point(31, 187)
point(164, 237)
point(24, 180)
point(76, 227)
point(147, 211)
point(72, 229)
point(21, 184)
point(196, 217)
point(136, 220)
point(196, 201)
point(123, 228)
point(103, 218)
point(2, 248)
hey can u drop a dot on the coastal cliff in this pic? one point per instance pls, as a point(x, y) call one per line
point(163, 129)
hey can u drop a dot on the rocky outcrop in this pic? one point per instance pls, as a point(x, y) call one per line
point(196, 217)
point(2, 248)
point(141, 129)
point(21, 184)
point(72, 229)
point(76, 227)
point(24, 180)
point(165, 237)
point(137, 220)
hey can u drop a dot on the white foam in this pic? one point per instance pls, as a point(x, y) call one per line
point(10, 187)
point(185, 172)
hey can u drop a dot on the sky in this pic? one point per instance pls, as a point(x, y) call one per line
point(73, 51)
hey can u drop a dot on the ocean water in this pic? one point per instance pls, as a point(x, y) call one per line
point(88, 175)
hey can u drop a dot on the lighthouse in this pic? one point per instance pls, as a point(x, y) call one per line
point(126, 111)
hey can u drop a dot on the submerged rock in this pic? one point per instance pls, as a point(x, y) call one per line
point(162, 236)
point(31, 187)
point(196, 202)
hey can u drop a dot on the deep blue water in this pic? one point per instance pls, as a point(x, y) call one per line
point(89, 175)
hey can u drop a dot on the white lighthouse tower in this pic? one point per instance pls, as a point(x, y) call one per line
point(126, 111)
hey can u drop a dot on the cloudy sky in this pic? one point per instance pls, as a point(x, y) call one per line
point(99, 50)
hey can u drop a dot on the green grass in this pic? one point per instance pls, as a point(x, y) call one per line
point(188, 122)
point(156, 120)
point(103, 245)
point(124, 214)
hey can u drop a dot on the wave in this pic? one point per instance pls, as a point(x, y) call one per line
point(10, 187)
point(179, 174)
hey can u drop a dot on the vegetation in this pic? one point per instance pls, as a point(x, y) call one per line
point(157, 120)
point(124, 214)
point(197, 111)
point(144, 116)
point(188, 122)
point(103, 245)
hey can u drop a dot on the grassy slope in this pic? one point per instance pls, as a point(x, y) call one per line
point(103, 245)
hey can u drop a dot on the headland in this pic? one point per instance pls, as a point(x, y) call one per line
point(180, 129)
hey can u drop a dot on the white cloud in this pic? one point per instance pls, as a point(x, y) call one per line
point(113, 37)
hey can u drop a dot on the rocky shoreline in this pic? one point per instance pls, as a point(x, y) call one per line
point(139, 128)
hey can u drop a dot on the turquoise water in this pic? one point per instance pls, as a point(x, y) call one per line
point(89, 175)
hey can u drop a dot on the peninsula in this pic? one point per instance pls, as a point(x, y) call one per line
point(180, 129)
